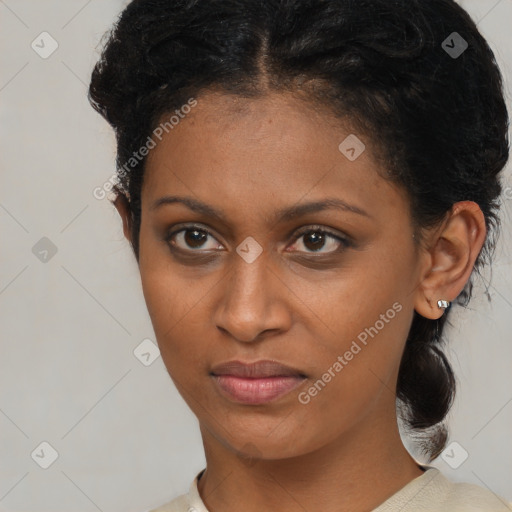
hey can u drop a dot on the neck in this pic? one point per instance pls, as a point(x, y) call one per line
point(357, 471)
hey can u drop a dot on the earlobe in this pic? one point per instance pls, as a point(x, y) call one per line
point(451, 258)
point(123, 207)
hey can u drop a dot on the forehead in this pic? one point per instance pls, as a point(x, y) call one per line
point(266, 152)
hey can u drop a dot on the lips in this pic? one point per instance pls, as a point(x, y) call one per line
point(255, 383)
point(257, 370)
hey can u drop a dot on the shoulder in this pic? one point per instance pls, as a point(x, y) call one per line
point(464, 496)
point(432, 491)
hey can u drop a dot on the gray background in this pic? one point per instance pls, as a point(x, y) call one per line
point(69, 325)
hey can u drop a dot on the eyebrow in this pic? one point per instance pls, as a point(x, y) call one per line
point(281, 215)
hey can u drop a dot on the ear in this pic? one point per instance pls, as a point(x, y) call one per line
point(123, 207)
point(453, 250)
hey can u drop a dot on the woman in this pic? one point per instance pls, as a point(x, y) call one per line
point(307, 186)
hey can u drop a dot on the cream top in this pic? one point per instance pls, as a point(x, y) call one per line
point(429, 492)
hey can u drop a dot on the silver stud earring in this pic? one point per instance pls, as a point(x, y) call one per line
point(443, 304)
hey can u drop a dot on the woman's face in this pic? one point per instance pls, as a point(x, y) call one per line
point(247, 284)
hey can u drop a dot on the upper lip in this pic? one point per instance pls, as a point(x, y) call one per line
point(258, 369)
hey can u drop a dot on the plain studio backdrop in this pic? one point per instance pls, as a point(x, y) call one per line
point(89, 418)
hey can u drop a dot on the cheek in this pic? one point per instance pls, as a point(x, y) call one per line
point(363, 299)
point(169, 303)
point(354, 379)
point(176, 308)
point(164, 294)
point(365, 319)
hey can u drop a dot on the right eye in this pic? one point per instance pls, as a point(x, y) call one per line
point(191, 238)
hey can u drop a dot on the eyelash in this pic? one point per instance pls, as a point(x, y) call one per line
point(344, 242)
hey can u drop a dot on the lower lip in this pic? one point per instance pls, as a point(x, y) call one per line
point(256, 391)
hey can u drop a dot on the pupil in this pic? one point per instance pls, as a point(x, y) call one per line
point(194, 241)
point(318, 240)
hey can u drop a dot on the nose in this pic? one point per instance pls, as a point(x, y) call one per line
point(253, 302)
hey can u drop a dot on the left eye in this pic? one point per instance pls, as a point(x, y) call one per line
point(316, 239)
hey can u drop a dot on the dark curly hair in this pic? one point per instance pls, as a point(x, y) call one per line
point(437, 120)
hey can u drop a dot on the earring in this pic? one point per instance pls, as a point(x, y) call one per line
point(443, 304)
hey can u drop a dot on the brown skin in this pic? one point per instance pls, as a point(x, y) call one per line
point(249, 158)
